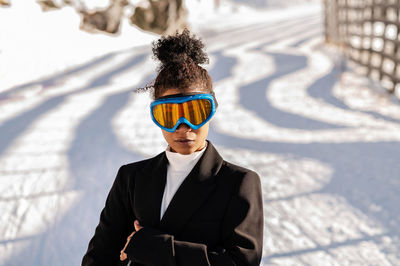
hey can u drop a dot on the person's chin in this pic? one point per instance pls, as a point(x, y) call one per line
point(184, 147)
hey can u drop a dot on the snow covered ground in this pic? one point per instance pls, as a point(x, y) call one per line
point(324, 139)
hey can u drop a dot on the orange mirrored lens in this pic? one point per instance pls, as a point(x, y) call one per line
point(166, 114)
point(196, 112)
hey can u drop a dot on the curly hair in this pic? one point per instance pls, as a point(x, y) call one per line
point(180, 56)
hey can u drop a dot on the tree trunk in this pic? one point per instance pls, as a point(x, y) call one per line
point(161, 17)
point(107, 20)
point(5, 3)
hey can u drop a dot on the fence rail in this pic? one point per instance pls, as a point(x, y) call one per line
point(368, 31)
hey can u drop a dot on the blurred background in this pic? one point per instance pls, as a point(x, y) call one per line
point(308, 94)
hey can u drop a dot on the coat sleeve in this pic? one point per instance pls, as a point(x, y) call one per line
point(242, 236)
point(113, 228)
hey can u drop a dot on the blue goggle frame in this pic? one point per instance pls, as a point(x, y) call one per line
point(181, 99)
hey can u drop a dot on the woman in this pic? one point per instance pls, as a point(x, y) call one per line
point(185, 206)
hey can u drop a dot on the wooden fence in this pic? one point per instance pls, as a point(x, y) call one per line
point(368, 32)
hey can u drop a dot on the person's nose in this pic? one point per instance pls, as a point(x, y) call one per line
point(183, 128)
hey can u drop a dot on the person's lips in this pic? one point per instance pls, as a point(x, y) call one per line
point(183, 140)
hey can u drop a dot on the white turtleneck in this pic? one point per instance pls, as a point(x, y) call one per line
point(179, 168)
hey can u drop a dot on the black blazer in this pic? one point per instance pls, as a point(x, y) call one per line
point(215, 217)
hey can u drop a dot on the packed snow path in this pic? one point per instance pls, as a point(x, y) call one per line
point(326, 146)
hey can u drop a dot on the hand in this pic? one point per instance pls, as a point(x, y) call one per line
point(123, 255)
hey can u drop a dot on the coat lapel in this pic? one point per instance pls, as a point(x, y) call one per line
point(194, 190)
point(149, 189)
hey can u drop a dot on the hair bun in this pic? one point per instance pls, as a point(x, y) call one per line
point(179, 48)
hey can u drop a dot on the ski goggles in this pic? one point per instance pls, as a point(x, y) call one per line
point(194, 110)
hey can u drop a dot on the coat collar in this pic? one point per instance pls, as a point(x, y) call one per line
point(194, 190)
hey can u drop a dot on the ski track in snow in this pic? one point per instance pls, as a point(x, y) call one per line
point(326, 147)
